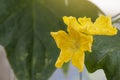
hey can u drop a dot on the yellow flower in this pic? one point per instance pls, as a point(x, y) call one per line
point(72, 45)
point(79, 38)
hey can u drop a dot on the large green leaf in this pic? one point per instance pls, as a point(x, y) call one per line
point(106, 56)
point(24, 32)
point(25, 27)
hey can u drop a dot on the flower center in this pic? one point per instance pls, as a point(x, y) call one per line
point(76, 45)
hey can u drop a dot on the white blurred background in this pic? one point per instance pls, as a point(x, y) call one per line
point(109, 7)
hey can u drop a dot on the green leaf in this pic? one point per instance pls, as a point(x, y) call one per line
point(25, 33)
point(25, 27)
point(106, 56)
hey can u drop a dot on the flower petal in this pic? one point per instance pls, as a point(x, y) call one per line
point(62, 39)
point(66, 19)
point(78, 60)
point(65, 56)
point(85, 22)
point(73, 27)
point(102, 26)
point(86, 42)
point(65, 43)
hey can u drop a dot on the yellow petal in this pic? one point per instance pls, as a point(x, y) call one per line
point(78, 60)
point(65, 43)
point(86, 42)
point(102, 26)
point(85, 22)
point(59, 63)
point(73, 27)
point(62, 39)
point(66, 20)
point(65, 56)
point(72, 22)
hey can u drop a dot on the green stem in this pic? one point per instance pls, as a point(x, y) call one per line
point(116, 15)
point(81, 75)
point(116, 20)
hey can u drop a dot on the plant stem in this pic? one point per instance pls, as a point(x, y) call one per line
point(80, 75)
